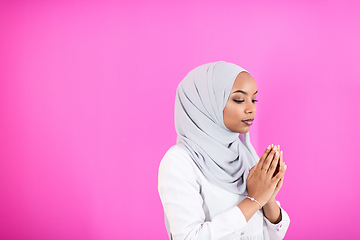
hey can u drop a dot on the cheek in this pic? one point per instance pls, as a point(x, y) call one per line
point(228, 116)
point(233, 114)
point(236, 114)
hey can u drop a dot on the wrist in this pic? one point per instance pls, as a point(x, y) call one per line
point(272, 212)
point(255, 201)
point(271, 204)
point(248, 208)
point(258, 197)
point(272, 200)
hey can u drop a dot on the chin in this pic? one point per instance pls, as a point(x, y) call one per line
point(246, 130)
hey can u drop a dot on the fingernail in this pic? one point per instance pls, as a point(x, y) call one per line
point(274, 147)
point(277, 153)
point(285, 167)
point(268, 148)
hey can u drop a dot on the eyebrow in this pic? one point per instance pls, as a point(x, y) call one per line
point(243, 92)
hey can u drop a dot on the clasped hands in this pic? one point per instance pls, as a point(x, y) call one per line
point(265, 179)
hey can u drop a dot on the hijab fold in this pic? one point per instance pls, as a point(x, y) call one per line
point(224, 157)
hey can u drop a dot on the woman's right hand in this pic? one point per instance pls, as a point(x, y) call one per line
point(261, 181)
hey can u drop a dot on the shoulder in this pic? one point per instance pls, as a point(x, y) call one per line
point(176, 157)
point(177, 162)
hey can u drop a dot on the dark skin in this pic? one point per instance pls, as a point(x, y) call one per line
point(266, 177)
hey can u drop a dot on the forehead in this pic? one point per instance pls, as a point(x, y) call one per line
point(244, 81)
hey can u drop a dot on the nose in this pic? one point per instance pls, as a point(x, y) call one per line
point(250, 108)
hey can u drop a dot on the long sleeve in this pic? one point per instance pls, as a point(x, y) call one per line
point(180, 193)
point(278, 231)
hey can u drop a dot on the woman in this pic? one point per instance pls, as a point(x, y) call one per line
point(211, 183)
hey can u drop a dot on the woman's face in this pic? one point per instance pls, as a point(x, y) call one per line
point(240, 109)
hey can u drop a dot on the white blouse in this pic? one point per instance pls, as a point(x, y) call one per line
point(197, 209)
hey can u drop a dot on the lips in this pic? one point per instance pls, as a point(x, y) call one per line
point(248, 121)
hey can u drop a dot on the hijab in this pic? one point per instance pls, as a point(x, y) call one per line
point(223, 156)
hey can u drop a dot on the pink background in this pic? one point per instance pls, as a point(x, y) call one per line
point(86, 108)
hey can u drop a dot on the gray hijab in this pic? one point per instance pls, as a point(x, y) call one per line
point(224, 157)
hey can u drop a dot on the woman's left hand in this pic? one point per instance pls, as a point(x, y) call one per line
point(282, 167)
point(271, 209)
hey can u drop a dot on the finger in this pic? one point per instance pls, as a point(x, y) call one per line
point(280, 174)
point(282, 159)
point(265, 166)
point(280, 183)
point(279, 165)
point(255, 166)
point(281, 154)
point(264, 156)
point(284, 166)
point(274, 163)
point(252, 170)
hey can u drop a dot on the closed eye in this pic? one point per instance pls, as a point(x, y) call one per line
point(241, 101)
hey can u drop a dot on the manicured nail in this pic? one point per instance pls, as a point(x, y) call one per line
point(274, 147)
point(277, 154)
point(268, 148)
point(285, 167)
